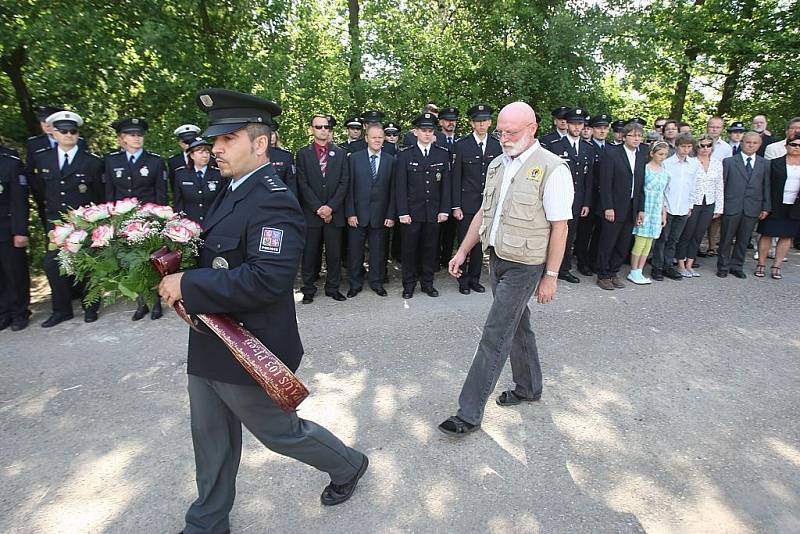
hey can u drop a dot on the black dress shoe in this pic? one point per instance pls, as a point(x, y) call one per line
point(585, 271)
point(308, 299)
point(657, 275)
point(141, 311)
point(477, 288)
point(569, 277)
point(5, 322)
point(464, 290)
point(673, 274)
point(408, 293)
point(335, 295)
point(89, 316)
point(157, 312)
point(739, 274)
point(722, 274)
point(19, 324)
point(353, 292)
point(431, 292)
point(55, 319)
point(379, 291)
point(334, 494)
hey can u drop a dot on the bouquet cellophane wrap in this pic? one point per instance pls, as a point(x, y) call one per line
point(270, 372)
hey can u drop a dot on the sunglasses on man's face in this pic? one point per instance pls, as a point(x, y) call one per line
point(70, 131)
point(322, 127)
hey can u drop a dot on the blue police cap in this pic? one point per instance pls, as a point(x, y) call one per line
point(130, 125)
point(229, 111)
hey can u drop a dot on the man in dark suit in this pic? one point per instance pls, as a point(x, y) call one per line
point(471, 157)
point(354, 126)
point(185, 134)
point(322, 178)
point(621, 203)
point(580, 156)
point(133, 172)
point(370, 210)
point(252, 245)
point(422, 179)
point(747, 200)
point(14, 276)
point(65, 178)
point(559, 126)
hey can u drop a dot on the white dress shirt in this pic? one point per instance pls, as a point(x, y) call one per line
point(478, 141)
point(632, 162)
point(679, 193)
point(370, 153)
point(722, 150)
point(236, 183)
point(710, 186)
point(558, 190)
point(72, 152)
point(423, 148)
point(775, 150)
point(792, 187)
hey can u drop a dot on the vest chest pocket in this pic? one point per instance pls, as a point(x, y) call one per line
point(522, 206)
point(488, 198)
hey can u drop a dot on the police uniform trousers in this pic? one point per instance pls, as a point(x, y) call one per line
point(615, 242)
point(331, 237)
point(507, 333)
point(572, 226)
point(449, 231)
point(376, 239)
point(62, 287)
point(14, 281)
point(471, 272)
point(420, 252)
point(218, 410)
point(586, 239)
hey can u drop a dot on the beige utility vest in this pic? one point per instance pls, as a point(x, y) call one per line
point(524, 231)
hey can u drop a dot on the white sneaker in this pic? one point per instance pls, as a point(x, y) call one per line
point(686, 273)
point(695, 274)
point(645, 280)
point(637, 277)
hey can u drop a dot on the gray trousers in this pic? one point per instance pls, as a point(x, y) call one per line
point(507, 332)
point(739, 227)
point(218, 410)
point(664, 247)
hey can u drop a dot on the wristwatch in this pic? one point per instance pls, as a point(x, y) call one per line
point(554, 274)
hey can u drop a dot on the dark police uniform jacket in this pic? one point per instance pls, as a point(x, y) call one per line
point(581, 167)
point(283, 164)
point(146, 180)
point(316, 190)
point(13, 198)
point(355, 146)
point(389, 148)
point(550, 138)
point(193, 196)
point(371, 201)
point(409, 139)
point(469, 171)
point(258, 230)
point(175, 162)
point(81, 183)
point(423, 186)
point(39, 142)
point(8, 151)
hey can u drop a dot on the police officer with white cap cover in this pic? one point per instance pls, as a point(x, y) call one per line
point(186, 134)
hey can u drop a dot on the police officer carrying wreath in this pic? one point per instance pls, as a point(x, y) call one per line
point(135, 172)
point(65, 177)
point(255, 234)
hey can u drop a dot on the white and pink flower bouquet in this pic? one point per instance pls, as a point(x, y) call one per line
point(109, 245)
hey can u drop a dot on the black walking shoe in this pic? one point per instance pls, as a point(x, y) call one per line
point(334, 494)
point(335, 295)
point(477, 288)
point(140, 312)
point(585, 271)
point(55, 319)
point(5, 322)
point(89, 316)
point(509, 398)
point(673, 274)
point(657, 275)
point(157, 312)
point(457, 427)
point(464, 290)
point(308, 299)
point(569, 277)
point(430, 291)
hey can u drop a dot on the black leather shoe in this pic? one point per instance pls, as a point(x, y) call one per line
point(334, 494)
point(335, 295)
point(509, 398)
point(464, 290)
point(380, 291)
point(55, 319)
point(19, 324)
point(569, 277)
point(585, 271)
point(408, 293)
point(657, 275)
point(431, 292)
point(157, 312)
point(722, 274)
point(739, 274)
point(477, 288)
point(89, 316)
point(353, 292)
point(140, 312)
point(673, 274)
point(308, 299)
point(5, 322)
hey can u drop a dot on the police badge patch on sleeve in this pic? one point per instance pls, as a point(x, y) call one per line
point(271, 240)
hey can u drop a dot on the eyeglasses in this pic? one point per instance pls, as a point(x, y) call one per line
point(793, 145)
point(322, 127)
point(511, 135)
point(71, 131)
point(634, 134)
point(705, 145)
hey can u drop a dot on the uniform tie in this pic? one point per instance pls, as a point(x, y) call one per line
point(373, 165)
point(749, 166)
point(449, 140)
point(425, 153)
point(66, 161)
point(200, 175)
point(575, 147)
point(132, 160)
point(480, 145)
point(736, 150)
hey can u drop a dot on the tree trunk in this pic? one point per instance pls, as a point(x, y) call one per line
point(209, 42)
point(356, 66)
point(12, 64)
point(735, 62)
point(690, 53)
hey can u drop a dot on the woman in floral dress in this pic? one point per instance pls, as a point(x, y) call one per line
point(655, 214)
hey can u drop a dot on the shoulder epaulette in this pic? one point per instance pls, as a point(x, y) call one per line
point(31, 138)
point(153, 154)
point(273, 183)
point(44, 149)
point(182, 167)
point(114, 153)
point(7, 155)
point(440, 147)
point(282, 149)
point(96, 156)
point(403, 149)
